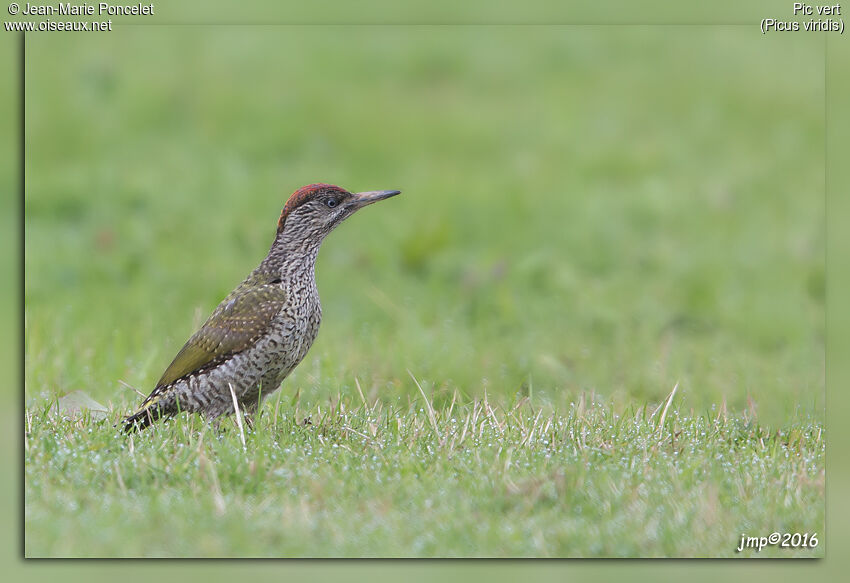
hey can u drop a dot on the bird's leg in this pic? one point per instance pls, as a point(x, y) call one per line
point(250, 412)
point(248, 418)
point(215, 423)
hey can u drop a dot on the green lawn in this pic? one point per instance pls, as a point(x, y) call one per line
point(590, 216)
point(355, 478)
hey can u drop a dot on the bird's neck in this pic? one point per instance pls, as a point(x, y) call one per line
point(293, 256)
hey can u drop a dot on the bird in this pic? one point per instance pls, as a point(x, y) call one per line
point(261, 331)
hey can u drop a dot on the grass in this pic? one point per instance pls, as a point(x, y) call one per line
point(368, 479)
point(589, 215)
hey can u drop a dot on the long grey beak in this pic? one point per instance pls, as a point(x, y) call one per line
point(364, 198)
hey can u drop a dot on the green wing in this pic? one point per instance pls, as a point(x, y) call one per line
point(236, 324)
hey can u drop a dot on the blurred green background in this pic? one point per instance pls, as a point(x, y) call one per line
point(614, 209)
point(777, 80)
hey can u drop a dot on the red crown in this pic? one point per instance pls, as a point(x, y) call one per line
point(302, 195)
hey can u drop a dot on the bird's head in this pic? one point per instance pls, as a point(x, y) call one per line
point(315, 210)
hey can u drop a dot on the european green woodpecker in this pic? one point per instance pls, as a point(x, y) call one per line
point(264, 327)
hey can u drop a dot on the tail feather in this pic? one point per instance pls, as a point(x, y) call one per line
point(158, 405)
point(141, 419)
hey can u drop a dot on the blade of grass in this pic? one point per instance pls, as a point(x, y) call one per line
point(238, 416)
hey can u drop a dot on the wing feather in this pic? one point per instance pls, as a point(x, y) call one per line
point(236, 324)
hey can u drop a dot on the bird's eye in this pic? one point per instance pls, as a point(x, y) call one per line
point(331, 202)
